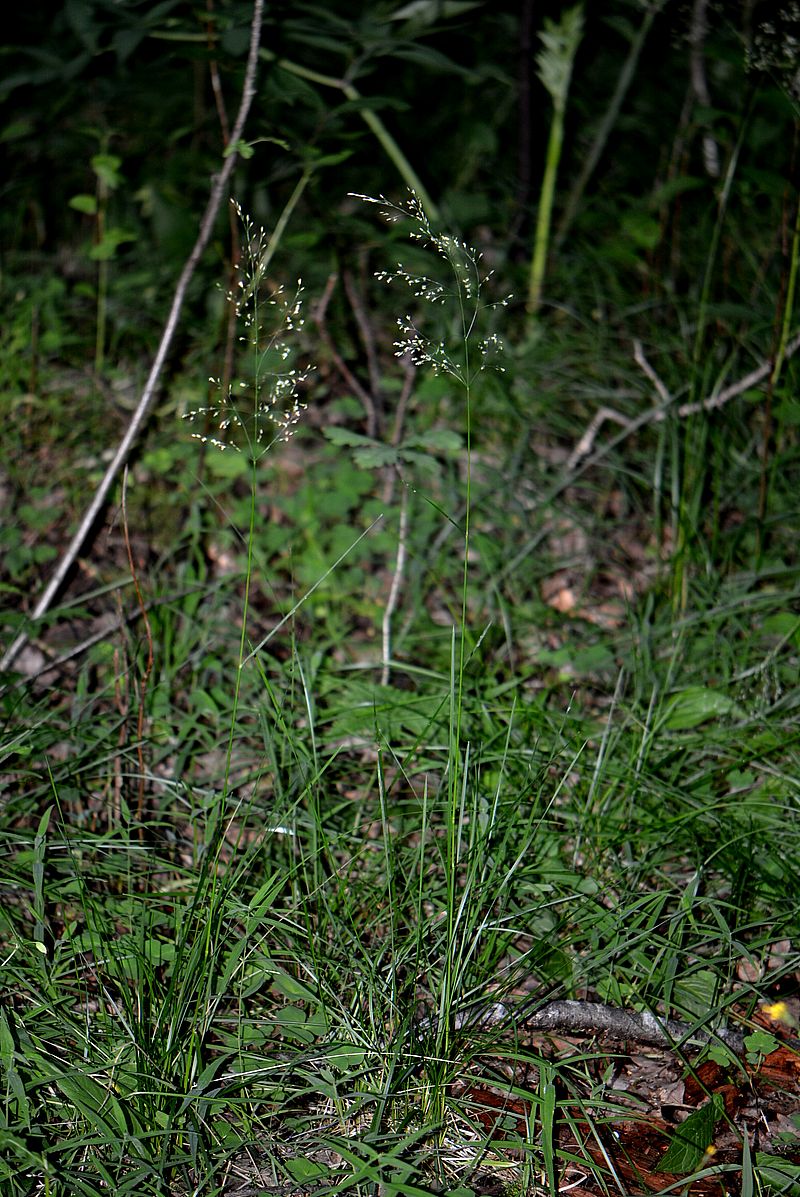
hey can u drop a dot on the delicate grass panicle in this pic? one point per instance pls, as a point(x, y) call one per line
point(469, 283)
point(266, 407)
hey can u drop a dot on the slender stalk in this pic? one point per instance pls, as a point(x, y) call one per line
point(554, 66)
point(610, 117)
point(544, 215)
point(689, 490)
point(782, 353)
point(370, 118)
point(277, 233)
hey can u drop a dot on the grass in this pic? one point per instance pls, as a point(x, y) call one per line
point(271, 977)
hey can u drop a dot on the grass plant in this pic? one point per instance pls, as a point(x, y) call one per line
point(560, 41)
point(280, 979)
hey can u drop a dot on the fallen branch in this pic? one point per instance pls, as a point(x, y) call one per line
point(596, 1018)
point(667, 405)
point(218, 189)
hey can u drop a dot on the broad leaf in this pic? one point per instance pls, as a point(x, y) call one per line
point(696, 705)
point(692, 1139)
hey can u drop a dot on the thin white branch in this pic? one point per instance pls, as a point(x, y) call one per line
point(667, 407)
point(698, 32)
point(647, 369)
point(586, 443)
point(397, 582)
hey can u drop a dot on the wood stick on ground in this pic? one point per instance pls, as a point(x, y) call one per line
point(659, 413)
point(597, 1018)
point(218, 189)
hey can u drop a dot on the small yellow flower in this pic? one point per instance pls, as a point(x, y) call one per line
point(781, 1013)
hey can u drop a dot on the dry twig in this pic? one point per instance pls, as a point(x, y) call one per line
point(666, 405)
point(320, 318)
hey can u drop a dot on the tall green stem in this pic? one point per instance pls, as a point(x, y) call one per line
point(371, 120)
point(554, 66)
point(610, 117)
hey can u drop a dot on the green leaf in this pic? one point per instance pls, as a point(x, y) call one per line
point(288, 986)
point(106, 167)
point(761, 1043)
point(243, 148)
point(369, 454)
point(748, 1180)
point(788, 412)
point(667, 192)
point(375, 456)
point(97, 1105)
point(695, 989)
point(295, 1025)
point(17, 129)
point(345, 436)
point(560, 41)
point(343, 1056)
point(777, 1175)
point(327, 159)
point(696, 705)
point(228, 463)
point(303, 1169)
point(84, 203)
point(643, 230)
point(692, 1138)
point(783, 624)
point(438, 440)
point(111, 240)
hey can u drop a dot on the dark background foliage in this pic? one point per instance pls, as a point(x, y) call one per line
point(458, 92)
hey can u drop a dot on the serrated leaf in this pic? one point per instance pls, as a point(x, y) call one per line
point(345, 436)
point(696, 705)
point(372, 457)
point(438, 440)
point(692, 1139)
point(422, 461)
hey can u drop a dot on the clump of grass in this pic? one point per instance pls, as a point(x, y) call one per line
point(473, 350)
point(290, 976)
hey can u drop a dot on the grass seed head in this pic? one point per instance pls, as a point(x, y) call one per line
point(266, 405)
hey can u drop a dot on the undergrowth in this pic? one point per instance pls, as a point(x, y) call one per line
point(436, 733)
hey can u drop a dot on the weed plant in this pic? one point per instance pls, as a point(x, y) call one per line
point(299, 971)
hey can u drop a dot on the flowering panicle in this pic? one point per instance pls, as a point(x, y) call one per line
point(270, 400)
point(467, 288)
